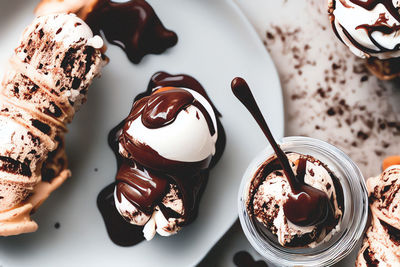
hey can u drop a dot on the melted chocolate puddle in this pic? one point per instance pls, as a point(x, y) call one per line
point(133, 26)
point(120, 231)
point(244, 259)
point(153, 173)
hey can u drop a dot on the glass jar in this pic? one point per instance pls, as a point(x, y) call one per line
point(355, 207)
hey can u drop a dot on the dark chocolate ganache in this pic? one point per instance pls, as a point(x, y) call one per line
point(272, 166)
point(133, 26)
point(244, 259)
point(144, 176)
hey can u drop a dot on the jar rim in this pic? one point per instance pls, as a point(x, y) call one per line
point(356, 210)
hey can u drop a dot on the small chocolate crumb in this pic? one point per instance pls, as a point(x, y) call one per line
point(364, 78)
point(362, 135)
point(76, 83)
point(328, 186)
point(331, 112)
point(335, 66)
point(321, 92)
point(41, 34)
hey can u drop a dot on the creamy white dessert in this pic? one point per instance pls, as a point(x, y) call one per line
point(368, 28)
point(186, 139)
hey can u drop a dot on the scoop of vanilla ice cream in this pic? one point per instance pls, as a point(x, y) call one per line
point(349, 21)
point(272, 194)
point(187, 139)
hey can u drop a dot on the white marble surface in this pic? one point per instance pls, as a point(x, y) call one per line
point(328, 95)
point(328, 92)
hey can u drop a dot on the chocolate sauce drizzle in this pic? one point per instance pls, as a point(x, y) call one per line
point(371, 4)
point(145, 176)
point(133, 26)
point(161, 109)
point(368, 256)
point(393, 232)
point(144, 190)
point(381, 25)
point(306, 205)
point(244, 259)
point(120, 231)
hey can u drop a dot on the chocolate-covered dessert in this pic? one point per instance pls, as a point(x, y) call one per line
point(382, 239)
point(293, 196)
point(370, 28)
point(269, 192)
point(165, 150)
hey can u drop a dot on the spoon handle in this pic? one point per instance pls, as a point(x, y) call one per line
point(242, 92)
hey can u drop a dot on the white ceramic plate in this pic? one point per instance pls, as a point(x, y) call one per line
point(216, 43)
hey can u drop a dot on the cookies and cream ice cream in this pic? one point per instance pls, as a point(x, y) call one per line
point(165, 147)
point(382, 240)
point(269, 192)
point(46, 82)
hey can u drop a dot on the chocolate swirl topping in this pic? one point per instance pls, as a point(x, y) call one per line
point(381, 25)
point(371, 4)
point(143, 177)
point(133, 26)
point(161, 109)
